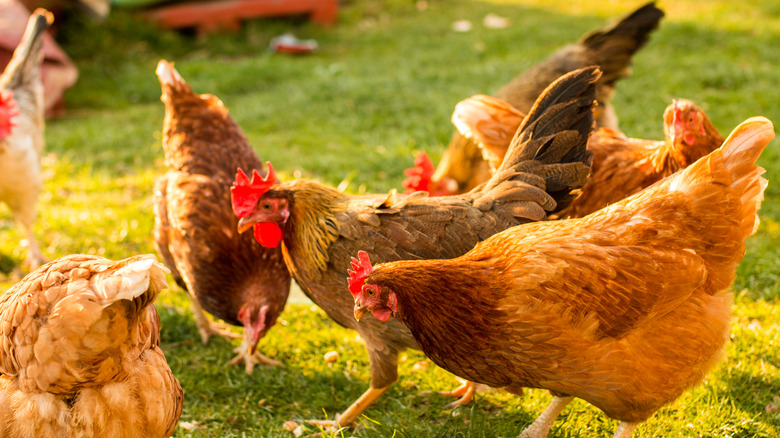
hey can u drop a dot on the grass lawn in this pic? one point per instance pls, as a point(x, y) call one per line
point(382, 87)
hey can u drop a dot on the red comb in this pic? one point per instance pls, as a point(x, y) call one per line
point(361, 267)
point(421, 175)
point(246, 193)
point(8, 113)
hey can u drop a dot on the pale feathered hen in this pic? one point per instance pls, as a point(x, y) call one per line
point(21, 130)
point(80, 352)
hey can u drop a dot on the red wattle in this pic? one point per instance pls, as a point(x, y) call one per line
point(269, 234)
point(382, 314)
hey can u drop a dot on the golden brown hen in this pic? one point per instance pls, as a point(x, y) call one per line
point(80, 352)
point(621, 166)
point(625, 308)
point(611, 48)
point(21, 130)
point(231, 276)
point(319, 226)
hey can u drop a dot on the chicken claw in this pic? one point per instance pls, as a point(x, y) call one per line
point(465, 391)
point(251, 359)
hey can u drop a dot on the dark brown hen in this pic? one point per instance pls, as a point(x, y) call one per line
point(229, 275)
point(320, 227)
point(611, 48)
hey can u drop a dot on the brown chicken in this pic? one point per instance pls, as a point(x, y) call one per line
point(611, 48)
point(22, 144)
point(625, 308)
point(229, 275)
point(80, 352)
point(621, 166)
point(318, 225)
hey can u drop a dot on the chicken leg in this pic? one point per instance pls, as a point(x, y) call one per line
point(624, 429)
point(206, 328)
point(541, 427)
point(353, 412)
point(251, 358)
point(34, 256)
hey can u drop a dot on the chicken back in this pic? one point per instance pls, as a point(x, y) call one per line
point(80, 352)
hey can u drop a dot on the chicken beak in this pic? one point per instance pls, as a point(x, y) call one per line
point(252, 349)
point(244, 224)
point(360, 311)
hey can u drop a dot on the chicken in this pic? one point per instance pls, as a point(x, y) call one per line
point(80, 352)
point(318, 226)
point(22, 139)
point(610, 48)
point(229, 275)
point(621, 166)
point(625, 308)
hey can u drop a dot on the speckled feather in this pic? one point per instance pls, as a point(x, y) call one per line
point(611, 48)
point(625, 308)
point(195, 229)
point(79, 352)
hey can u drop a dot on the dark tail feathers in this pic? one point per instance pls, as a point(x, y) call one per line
point(551, 143)
point(615, 46)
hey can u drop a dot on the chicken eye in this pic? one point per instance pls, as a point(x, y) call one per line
point(266, 205)
point(370, 292)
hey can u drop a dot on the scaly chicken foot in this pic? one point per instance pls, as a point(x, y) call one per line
point(353, 412)
point(541, 427)
point(207, 328)
point(465, 391)
point(251, 359)
point(625, 429)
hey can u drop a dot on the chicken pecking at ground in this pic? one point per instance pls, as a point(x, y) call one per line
point(80, 352)
point(621, 166)
point(319, 227)
point(625, 308)
point(611, 48)
point(229, 275)
point(21, 131)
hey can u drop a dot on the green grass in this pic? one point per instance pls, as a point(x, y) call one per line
point(382, 87)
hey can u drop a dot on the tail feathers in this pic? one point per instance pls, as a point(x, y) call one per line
point(554, 137)
point(740, 153)
point(170, 79)
point(725, 190)
point(615, 46)
point(130, 279)
point(28, 54)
